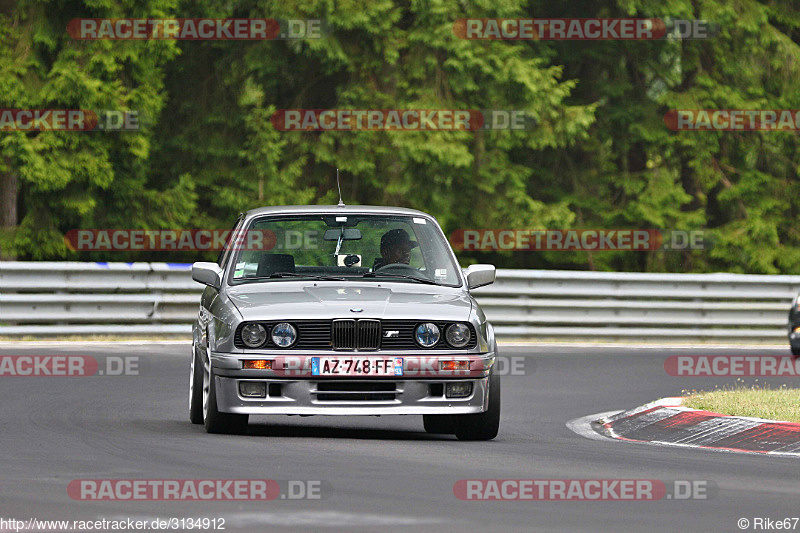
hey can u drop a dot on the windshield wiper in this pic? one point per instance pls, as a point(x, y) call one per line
point(276, 275)
point(301, 275)
point(404, 276)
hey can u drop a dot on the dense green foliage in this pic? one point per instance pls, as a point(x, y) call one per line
point(599, 157)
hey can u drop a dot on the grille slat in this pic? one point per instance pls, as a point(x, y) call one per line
point(356, 386)
point(369, 334)
point(356, 391)
point(351, 334)
point(343, 397)
point(343, 334)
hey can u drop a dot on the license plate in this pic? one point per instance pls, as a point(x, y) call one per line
point(357, 366)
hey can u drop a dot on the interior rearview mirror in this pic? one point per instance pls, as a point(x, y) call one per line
point(350, 234)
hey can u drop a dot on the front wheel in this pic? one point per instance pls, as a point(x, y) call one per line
point(482, 426)
point(196, 388)
point(442, 424)
point(795, 349)
point(216, 422)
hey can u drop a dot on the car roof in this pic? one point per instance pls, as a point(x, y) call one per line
point(334, 210)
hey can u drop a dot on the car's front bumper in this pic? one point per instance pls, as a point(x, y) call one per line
point(423, 393)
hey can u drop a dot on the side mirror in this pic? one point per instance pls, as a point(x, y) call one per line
point(480, 275)
point(208, 274)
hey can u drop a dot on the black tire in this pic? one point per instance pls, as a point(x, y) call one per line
point(196, 390)
point(216, 422)
point(795, 349)
point(482, 426)
point(443, 424)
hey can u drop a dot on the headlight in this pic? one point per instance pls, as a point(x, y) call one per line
point(254, 335)
point(284, 335)
point(457, 335)
point(427, 334)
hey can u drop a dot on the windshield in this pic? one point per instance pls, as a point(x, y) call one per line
point(337, 247)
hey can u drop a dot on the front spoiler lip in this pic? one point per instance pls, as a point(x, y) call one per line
point(298, 399)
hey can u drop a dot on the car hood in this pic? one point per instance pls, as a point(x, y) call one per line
point(302, 300)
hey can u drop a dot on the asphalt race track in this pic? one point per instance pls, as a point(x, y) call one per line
point(377, 473)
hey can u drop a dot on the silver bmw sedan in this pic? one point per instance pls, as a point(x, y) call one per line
point(343, 310)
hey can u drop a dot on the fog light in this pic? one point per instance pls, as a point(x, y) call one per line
point(252, 389)
point(453, 365)
point(257, 364)
point(459, 390)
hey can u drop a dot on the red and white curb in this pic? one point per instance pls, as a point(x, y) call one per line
point(668, 422)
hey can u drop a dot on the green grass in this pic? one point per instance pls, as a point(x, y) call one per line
point(760, 402)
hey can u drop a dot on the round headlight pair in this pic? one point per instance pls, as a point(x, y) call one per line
point(457, 335)
point(283, 335)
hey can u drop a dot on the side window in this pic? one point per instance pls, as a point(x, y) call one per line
point(225, 254)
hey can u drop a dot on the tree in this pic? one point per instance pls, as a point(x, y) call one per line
point(81, 179)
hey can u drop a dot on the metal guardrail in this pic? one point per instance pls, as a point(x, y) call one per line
point(46, 299)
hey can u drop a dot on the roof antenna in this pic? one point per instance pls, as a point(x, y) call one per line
point(341, 203)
